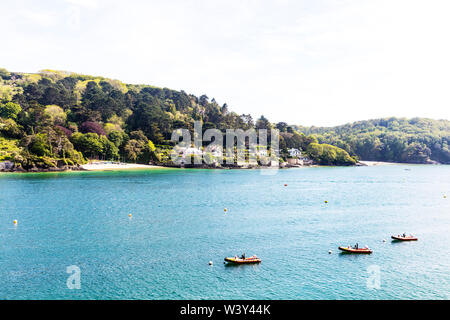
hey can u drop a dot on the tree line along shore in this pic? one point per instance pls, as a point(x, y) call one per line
point(57, 120)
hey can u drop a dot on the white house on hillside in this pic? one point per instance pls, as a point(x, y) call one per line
point(295, 153)
point(183, 151)
point(262, 152)
point(216, 151)
point(192, 151)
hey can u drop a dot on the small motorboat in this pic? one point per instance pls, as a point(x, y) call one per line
point(236, 260)
point(354, 250)
point(404, 238)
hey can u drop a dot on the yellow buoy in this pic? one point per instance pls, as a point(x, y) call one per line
point(445, 196)
point(326, 201)
point(129, 215)
point(15, 221)
point(225, 210)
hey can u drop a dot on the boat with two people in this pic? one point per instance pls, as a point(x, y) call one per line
point(355, 249)
point(404, 237)
point(243, 260)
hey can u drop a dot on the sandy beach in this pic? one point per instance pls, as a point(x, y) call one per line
point(377, 163)
point(116, 166)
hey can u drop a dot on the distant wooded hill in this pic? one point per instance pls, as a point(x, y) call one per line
point(416, 140)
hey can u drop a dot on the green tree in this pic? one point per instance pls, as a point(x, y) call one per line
point(56, 114)
point(139, 149)
point(263, 123)
point(89, 143)
point(39, 145)
point(118, 138)
point(10, 110)
point(326, 154)
point(5, 74)
point(109, 149)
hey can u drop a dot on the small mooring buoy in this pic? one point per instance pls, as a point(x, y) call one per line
point(15, 222)
point(285, 184)
point(210, 263)
point(225, 210)
point(330, 252)
point(129, 216)
point(384, 240)
point(326, 201)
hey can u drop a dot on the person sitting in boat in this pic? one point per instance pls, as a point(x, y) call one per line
point(243, 256)
point(356, 245)
point(404, 234)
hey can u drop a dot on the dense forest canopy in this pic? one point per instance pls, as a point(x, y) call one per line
point(55, 118)
point(416, 140)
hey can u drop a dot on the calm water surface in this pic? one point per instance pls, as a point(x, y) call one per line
point(179, 225)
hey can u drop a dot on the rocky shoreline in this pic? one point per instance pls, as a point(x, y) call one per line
point(9, 166)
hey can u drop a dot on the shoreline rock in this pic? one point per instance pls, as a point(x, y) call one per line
point(9, 166)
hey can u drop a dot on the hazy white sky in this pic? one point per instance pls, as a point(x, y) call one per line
point(303, 62)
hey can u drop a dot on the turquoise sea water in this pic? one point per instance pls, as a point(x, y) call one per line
point(178, 225)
